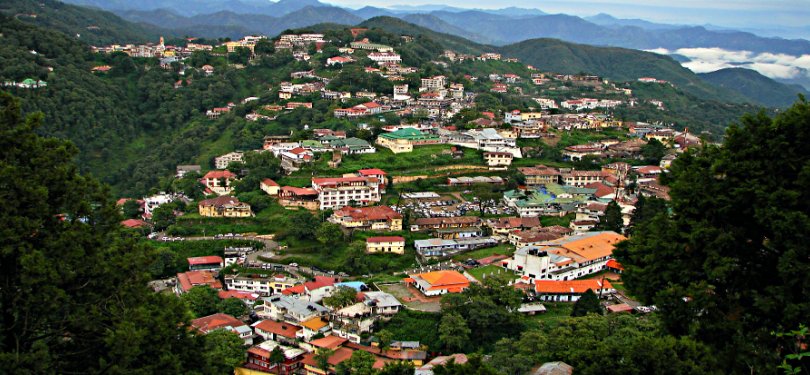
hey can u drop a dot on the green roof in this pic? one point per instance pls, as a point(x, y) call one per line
point(409, 134)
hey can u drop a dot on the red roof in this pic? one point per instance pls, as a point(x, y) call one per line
point(212, 322)
point(269, 182)
point(219, 174)
point(320, 282)
point(329, 342)
point(615, 265)
point(211, 259)
point(278, 328)
point(370, 105)
point(188, 280)
point(134, 223)
point(225, 294)
point(385, 239)
point(371, 172)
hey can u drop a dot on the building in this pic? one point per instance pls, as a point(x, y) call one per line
point(427, 369)
point(258, 358)
point(385, 57)
point(293, 159)
point(377, 218)
point(434, 223)
point(260, 284)
point(217, 321)
point(437, 283)
point(210, 263)
point(337, 192)
point(182, 170)
point(224, 206)
point(536, 236)
point(582, 178)
point(352, 146)
point(566, 258)
point(498, 159)
point(289, 196)
point(190, 279)
point(570, 290)
point(222, 162)
point(280, 332)
point(540, 175)
point(405, 139)
point(219, 182)
point(290, 309)
point(437, 247)
point(313, 291)
point(391, 244)
point(270, 187)
point(506, 225)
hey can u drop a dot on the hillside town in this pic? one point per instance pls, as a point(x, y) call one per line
point(490, 208)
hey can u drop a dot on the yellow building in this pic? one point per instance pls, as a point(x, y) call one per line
point(224, 206)
point(403, 140)
point(391, 244)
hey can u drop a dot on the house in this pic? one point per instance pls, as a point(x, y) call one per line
point(433, 223)
point(498, 159)
point(405, 139)
point(570, 290)
point(339, 60)
point(224, 206)
point(352, 146)
point(352, 321)
point(280, 332)
point(270, 187)
point(289, 309)
point(210, 263)
point(339, 355)
point(182, 170)
point(540, 175)
point(547, 200)
point(289, 196)
point(135, 224)
point(293, 159)
point(258, 358)
point(152, 202)
point(391, 244)
point(582, 178)
point(337, 192)
point(385, 57)
point(614, 266)
point(190, 279)
point(377, 218)
point(314, 327)
point(219, 182)
point(505, 225)
point(535, 236)
point(248, 298)
point(382, 303)
point(566, 258)
point(437, 247)
point(260, 284)
point(222, 162)
point(439, 282)
point(217, 321)
point(314, 291)
point(427, 369)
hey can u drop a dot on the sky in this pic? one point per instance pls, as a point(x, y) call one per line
point(729, 13)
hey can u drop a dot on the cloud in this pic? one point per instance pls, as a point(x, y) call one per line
point(773, 65)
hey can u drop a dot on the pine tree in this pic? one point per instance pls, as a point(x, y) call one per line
point(587, 303)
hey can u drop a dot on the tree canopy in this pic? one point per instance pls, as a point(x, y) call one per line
point(731, 263)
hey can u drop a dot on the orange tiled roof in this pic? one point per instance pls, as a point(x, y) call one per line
point(445, 280)
point(570, 286)
point(315, 324)
point(278, 328)
point(329, 342)
point(216, 321)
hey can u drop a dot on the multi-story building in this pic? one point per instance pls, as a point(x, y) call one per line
point(582, 178)
point(208, 324)
point(498, 159)
point(290, 309)
point(390, 244)
point(566, 258)
point(404, 140)
point(225, 206)
point(344, 191)
point(219, 182)
point(433, 83)
point(435, 223)
point(262, 285)
point(540, 175)
point(379, 218)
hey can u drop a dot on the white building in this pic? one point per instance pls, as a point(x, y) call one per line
point(222, 162)
point(343, 191)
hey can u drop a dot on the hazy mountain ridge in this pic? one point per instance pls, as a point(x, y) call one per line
point(755, 86)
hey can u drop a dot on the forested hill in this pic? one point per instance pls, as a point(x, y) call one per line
point(618, 64)
point(398, 26)
point(92, 112)
point(91, 26)
point(755, 86)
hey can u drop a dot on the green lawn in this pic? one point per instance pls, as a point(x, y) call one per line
point(564, 221)
point(504, 249)
point(555, 311)
point(479, 272)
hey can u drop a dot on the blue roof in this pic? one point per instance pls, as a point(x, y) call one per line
point(356, 285)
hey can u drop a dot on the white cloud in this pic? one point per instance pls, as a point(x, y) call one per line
point(703, 60)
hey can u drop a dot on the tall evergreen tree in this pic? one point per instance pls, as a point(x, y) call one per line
point(732, 262)
point(73, 294)
point(588, 303)
point(612, 220)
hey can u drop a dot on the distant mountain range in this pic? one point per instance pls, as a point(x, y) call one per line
point(553, 55)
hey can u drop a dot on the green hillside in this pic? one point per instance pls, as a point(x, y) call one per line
point(755, 86)
point(617, 64)
point(91, 26)
point(398, 26)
